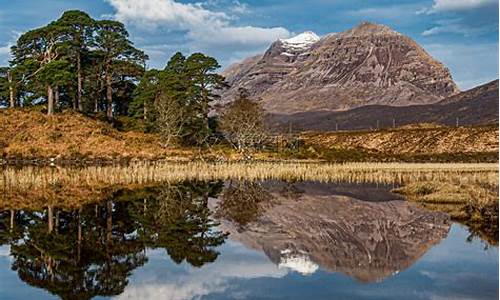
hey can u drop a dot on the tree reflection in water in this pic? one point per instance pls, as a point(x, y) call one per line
point(91, 251)
point(243, 201)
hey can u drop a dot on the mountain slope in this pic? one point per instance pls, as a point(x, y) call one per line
point(369, 64)
point(473, 107)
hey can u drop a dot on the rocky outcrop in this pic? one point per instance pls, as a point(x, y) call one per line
point(369, 64)
point(366, 240)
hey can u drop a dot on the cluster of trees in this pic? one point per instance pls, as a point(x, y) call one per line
point(175, 101)
point(75, 61)
point(91, 66)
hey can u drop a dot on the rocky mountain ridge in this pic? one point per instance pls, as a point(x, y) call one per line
point(368, 64)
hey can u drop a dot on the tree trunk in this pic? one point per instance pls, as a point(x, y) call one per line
point(56, 96)
point(109, 96)
point(98, 93)
point(50, 101)
point(78, 100)
point(11, 90)
point(57, 222)
point(98, 88)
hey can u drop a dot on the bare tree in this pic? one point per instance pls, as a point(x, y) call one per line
point(243, 123)
point(169, 119)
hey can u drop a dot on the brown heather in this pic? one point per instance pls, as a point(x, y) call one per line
point(413, 140)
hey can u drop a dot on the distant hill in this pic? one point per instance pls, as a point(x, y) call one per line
point(370, 64)
point(411, 140)
point(473, 107)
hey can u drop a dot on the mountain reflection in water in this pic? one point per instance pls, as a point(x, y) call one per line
point(305, 227)
point(313, 224)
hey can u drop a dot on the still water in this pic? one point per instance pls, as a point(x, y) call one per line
point(244, 240)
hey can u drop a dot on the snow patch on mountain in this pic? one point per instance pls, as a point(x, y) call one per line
point(301, 41)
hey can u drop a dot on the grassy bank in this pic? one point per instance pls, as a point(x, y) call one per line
point(31, 136)
point(26, 134)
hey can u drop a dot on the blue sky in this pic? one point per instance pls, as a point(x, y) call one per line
point(463, 34)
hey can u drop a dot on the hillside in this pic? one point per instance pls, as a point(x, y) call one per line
point(410, 143)
point(370, 64)
point(473, 107)
point(30, 134)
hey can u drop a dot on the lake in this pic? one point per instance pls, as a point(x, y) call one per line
point(238, 239)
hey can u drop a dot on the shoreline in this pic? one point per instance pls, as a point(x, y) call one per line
point(286, 157)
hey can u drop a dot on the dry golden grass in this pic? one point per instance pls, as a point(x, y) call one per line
point(30, 134)
point(468, 192)
point(456, 186)
point(480, 194)
point(148, 172)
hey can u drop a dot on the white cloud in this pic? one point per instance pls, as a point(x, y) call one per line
point(161, 280)
point(453, 5)
point(5, 50)
point(247, 35)
point(5, 251)
point(166, 12)
point(454, 26)
point(400, 13)
point(205, 28)
point(239, 7)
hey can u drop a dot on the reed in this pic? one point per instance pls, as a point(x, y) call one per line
point(29, 178)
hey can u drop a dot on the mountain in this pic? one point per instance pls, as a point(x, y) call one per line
point(473, 107)
point(367, 65)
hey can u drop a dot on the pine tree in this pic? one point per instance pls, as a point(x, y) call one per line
point(38, 54)
point(120, 58)
point(79, 27)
